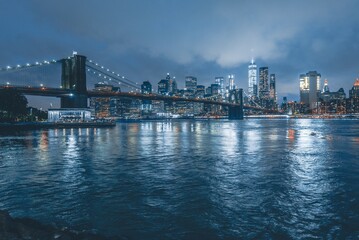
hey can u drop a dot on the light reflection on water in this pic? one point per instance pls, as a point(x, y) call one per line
point(189, 179)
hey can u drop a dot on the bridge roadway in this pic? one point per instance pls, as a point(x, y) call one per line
point(59, 92)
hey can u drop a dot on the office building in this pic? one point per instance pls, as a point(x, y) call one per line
point(102, 105)
point(263, 83)
point(231, 84)
point(146, 87)
point(310, 89)
point(191, 83)
point(165, 86)
point(252, 78)
point(272, 92)
point(215, 89)
point(353, 101)
point(220, 82)
point(332, 102)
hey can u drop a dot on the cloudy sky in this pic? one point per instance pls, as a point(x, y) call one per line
point(145, 39)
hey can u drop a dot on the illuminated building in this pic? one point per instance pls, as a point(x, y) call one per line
point(164, 86)
point(263, 83)
point(255, 91)
point(353, 101)
point(198, 107)
point(191, 84)
point(215, 89)
point(69, 115)
point(272, 92)
point(146, 88)
point(272, 88)
point(208, 91)
point(325, 87)
point(102, 105)
point(174, 86)
point(309, 85)
point(252, 78)
point(231, 85)
point(220, 82)
point(332, 102)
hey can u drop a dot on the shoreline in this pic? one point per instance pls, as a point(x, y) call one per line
point(6, 126)
point(27, 228)
point(49, 125)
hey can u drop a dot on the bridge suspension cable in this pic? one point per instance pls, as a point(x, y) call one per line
point(107, 77)
point(112, 75)
point(257, 105)
point(28, 65)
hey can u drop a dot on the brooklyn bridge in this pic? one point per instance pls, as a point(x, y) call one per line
point(74, 93)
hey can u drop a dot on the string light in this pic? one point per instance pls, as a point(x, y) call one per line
point(108, 72)
point(27, 65)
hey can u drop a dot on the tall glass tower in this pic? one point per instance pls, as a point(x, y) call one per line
point(263, 83)
point(231, 85)
point(220, 82)
point(272, 88)
point(252, 78)
point(191, 83)
point(309, 85)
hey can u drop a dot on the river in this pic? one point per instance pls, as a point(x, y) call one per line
point(187, 179)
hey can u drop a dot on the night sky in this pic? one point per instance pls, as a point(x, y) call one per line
point(145, 39)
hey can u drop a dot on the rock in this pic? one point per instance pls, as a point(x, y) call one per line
point(25, 228)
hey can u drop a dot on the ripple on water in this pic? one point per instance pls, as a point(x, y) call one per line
point(252, 179)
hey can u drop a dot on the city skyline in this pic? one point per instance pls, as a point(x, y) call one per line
point(145, 40)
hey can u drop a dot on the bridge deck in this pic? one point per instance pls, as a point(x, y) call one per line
point(59, 92)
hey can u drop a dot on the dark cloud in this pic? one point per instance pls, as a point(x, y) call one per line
point(146, 39)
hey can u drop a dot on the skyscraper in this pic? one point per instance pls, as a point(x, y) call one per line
point(252, 78)
point(165, 85)
point(146, 87)
point(231, 85)
point(309, 85)
point(263, 83)
point(101, 106)
point(215, 89)
point(353, 101)
point(272, 88)
point(325, 86)
point(220, 82)
point(191, 83)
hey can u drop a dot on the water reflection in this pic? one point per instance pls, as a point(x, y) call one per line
point(311, 180)
point(255, 179)
point(42, 151)
point(291, 134)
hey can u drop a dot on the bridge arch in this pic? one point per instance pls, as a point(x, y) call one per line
point(73, 77)
point(236, 112)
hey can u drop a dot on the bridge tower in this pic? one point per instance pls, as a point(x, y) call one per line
point(236, 112)
point(73, 77)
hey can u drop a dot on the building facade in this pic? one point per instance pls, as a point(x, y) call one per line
point(353, 100)
point(102, 105)
point(146, 87)
point(263, 83)
point(220, 82)
point(272, 91)
point(309, 85)
point(252, 79)
point(191, 83)
point(231, 84)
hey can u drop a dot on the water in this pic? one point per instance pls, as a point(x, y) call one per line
point(251, 179)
